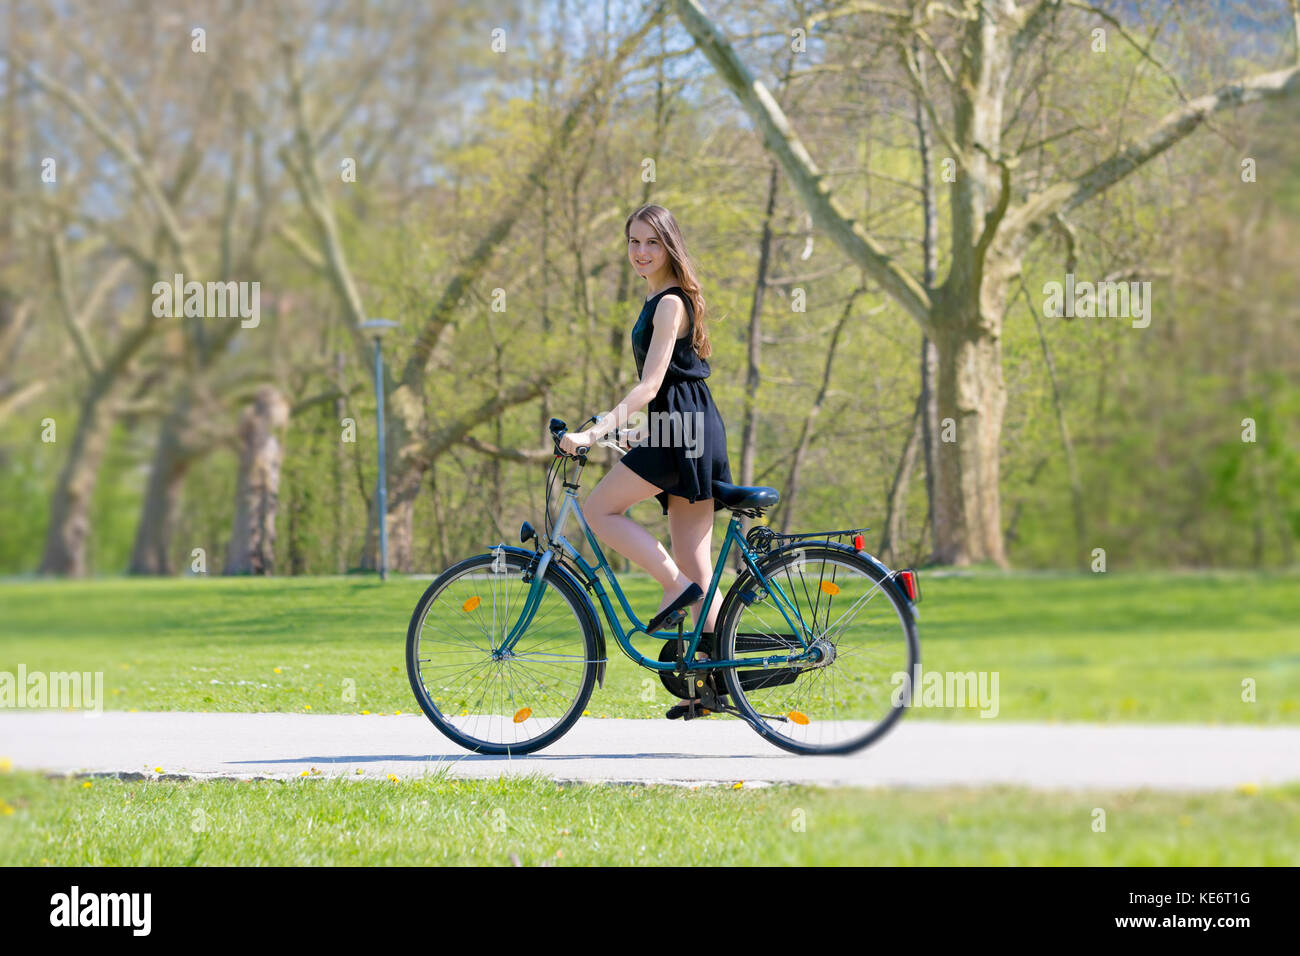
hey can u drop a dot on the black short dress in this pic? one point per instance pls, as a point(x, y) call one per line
point(686, 448)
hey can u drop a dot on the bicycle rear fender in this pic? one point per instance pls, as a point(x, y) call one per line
point(558, 565)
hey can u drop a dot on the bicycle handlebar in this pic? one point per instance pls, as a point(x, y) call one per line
point(558, 430)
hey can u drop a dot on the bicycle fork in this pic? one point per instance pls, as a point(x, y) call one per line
point(535, 574)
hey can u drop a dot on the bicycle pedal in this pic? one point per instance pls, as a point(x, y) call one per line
point(706, 695)
point(694, 710)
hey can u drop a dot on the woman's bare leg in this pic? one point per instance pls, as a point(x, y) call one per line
point(619, 490)
point(691, 526)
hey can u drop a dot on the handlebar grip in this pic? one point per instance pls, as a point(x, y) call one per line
point(558, 428)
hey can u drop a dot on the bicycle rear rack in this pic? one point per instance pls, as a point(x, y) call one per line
point(761, 538)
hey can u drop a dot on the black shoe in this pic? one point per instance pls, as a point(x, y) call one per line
point(683, 710)
point(676, 612)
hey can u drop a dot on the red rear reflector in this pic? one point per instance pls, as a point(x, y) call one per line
point(908, 580)
point(859, 543)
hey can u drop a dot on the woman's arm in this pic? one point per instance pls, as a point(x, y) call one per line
point(669, 321)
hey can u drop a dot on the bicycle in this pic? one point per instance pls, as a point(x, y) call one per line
point(497, 683)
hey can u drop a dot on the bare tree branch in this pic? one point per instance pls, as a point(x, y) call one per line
point(73, 317)
point(440, 316)
point(1032, 23)
point(1033, 215)
point(1295, 17)
point(862, 248)
point(530, 456)
point(301, 247)
point(1143, 51)
point(124, 152)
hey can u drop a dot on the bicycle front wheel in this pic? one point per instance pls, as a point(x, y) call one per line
point(485, 701)
point(864, 634)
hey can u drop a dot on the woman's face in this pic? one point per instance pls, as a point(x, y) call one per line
point(645, 250)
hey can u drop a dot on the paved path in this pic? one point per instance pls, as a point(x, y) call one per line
point(916, 753)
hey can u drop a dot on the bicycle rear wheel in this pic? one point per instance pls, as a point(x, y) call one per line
point(491, 704)
point(863, 629)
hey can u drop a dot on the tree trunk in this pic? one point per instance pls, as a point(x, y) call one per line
point(930, 269)
point(790, 492)
point(252, 539)
point(69, 527)
point(892, 536)
point(972, 397)
point(151, 553)
point(749, 432)
point(753, 377)
point(929, 425)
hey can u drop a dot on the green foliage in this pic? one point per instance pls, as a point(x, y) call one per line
point(1154, 415)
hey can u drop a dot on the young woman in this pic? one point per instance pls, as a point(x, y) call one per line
point(683, 448)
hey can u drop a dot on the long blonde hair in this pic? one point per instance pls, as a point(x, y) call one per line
point(662, 222)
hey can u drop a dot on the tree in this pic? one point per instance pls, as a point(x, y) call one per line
point(257, 498)
point(994, 218)
point(70, 520)
point(416, 434)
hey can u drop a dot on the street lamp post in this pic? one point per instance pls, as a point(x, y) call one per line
point(378, 327)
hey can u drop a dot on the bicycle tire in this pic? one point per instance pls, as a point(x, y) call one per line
point(734, 604)
point(515, 564)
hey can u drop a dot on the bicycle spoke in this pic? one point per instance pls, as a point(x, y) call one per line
point(501, 702)
point(845, 607)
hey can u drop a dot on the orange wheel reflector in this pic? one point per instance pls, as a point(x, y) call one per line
point(471, 604)
point(523, 714)
point(830, 587)
point(797, 717)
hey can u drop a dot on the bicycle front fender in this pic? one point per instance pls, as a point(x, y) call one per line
point(586, 606)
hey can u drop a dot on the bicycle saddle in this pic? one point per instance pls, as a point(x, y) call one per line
point(743, 496)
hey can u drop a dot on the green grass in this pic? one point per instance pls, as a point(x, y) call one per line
point(440, 820)
point(1107, 647)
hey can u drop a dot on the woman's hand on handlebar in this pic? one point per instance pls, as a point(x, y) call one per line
point(570, 442)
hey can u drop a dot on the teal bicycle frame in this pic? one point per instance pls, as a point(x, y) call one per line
point(558, 543)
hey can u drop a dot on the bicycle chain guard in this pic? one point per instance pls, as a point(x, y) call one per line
point(675, 683)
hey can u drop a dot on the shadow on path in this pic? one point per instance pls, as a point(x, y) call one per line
point(484, 758)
